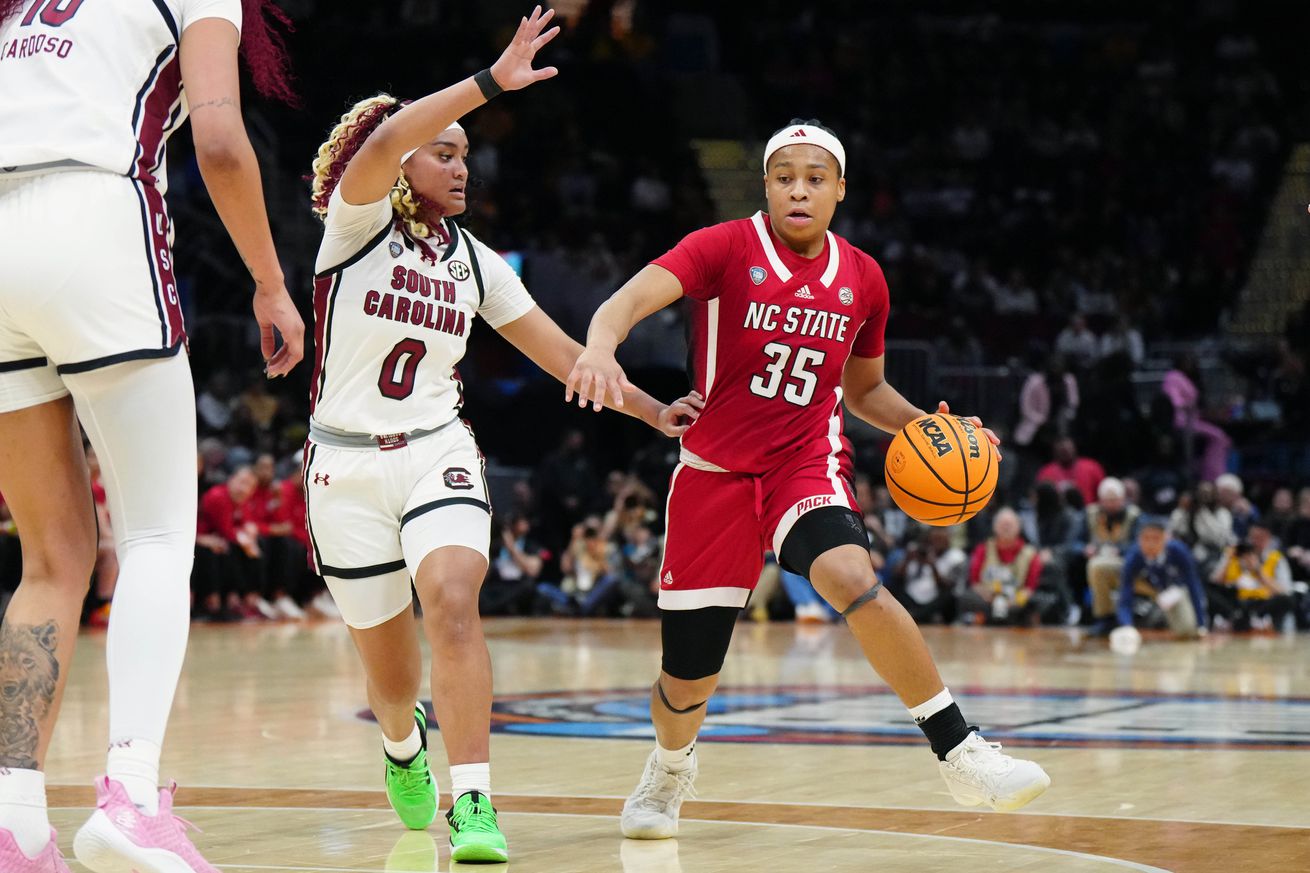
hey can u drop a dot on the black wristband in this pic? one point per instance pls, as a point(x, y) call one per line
point(487, 83)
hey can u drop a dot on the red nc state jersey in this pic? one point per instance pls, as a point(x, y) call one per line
point(771, 332)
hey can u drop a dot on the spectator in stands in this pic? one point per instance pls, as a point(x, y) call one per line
point(1111, 528)
point(1068, 469)
point(1123, 339)
point(567, 486)
point(1160, 584)
point(1252, 585)
point(289, 523)
point(105, 573)
point(1297, 542)
point(511, 585)
point(1282, 513)
point(1048, 405)
point(1228, 491)
point(640, 551)
point(1055, 528)
point(1181, 386)
point(1202, 524)
point(1003, 574)
point(1078, 344)
point(215, 404)
point(592, 569)
point(929, 577)
point(1161, 481)
point(810, 607)
point(228, 573)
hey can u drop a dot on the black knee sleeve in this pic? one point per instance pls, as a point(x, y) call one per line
point(696, 640)
point(818, 531)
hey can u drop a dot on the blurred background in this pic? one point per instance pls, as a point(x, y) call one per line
point(1091, 215)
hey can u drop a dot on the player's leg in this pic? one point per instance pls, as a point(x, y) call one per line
point(378, 610)
point(446, 539)
point(712, 559)
point(353, 501)
point(138, 416)
point(44, 478)
point(828, 546)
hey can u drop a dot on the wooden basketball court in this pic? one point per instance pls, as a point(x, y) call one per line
point(1183, 757)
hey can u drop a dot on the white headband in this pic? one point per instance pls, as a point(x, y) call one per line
point(801, 134)
point(454, 125)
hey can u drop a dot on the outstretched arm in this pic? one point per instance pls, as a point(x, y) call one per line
point(231, 173)
point(372, 172)
point(550, 348)
point(596, 376)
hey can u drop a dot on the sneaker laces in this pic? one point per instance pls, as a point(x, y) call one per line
point(475, 815)
point(661, 786)
point(412, 780)
point(986, 758)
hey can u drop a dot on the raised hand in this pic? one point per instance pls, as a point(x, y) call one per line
point(514, 68)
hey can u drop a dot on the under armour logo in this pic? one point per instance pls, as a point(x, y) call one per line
point(322, 478)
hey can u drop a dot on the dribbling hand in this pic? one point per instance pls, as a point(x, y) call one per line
point(597, 377)
point(944, 409)
point(513, 70)
point(274, 309)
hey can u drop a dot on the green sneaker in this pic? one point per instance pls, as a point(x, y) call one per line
point(474, 834)
point(410, 787)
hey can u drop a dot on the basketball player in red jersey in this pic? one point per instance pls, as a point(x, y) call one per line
point(787, 322)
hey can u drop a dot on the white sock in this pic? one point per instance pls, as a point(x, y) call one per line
point(134, 763)
point(470, 777)
point(23, 810)
point(404, 750)
point(675, 759)
point(932, 706)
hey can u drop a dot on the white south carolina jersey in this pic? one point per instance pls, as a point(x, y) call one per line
point(95, 83)
point(391, 323)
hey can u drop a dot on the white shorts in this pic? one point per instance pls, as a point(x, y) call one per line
point(374, 516)
point(86, 280)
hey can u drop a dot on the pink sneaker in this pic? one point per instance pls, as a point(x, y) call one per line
point(12, 859)
point(120, 838)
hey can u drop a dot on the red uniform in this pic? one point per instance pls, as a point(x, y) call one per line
point(220, 514)
point(771, 332)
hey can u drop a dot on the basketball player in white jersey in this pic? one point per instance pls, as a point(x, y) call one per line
point(394, 481)
point(91, 331)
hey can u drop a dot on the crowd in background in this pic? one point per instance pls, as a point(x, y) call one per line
point(1064, 190)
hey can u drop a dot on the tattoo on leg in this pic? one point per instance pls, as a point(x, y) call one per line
point(29, 673)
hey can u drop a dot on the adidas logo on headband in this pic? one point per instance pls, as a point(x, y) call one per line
point(813, 136)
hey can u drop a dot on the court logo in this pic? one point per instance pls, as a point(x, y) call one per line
point(846, 296)
point(846, 715)
point(395, 249)
point(757, 275)
point(458, 479)
point(459, 271)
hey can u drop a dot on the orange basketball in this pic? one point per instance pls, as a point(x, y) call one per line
point(941, 469)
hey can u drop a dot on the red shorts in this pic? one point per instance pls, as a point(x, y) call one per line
point(721, 524)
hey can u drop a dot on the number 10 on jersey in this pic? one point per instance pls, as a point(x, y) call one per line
point(797, 387)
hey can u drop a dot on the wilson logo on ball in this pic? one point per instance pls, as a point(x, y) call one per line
point(933, 432)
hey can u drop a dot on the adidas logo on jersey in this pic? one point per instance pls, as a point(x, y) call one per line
point(803, 293)
point(668, 577)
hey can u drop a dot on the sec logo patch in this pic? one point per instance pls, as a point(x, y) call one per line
point(459, 271)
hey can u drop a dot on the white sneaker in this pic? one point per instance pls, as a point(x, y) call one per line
point(265, 609)
point(976, 772)
point(325, 606)
point(287, 608)
point(651, 813)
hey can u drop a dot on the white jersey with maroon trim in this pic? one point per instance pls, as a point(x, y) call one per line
point(392, 317)
point(95, 83)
